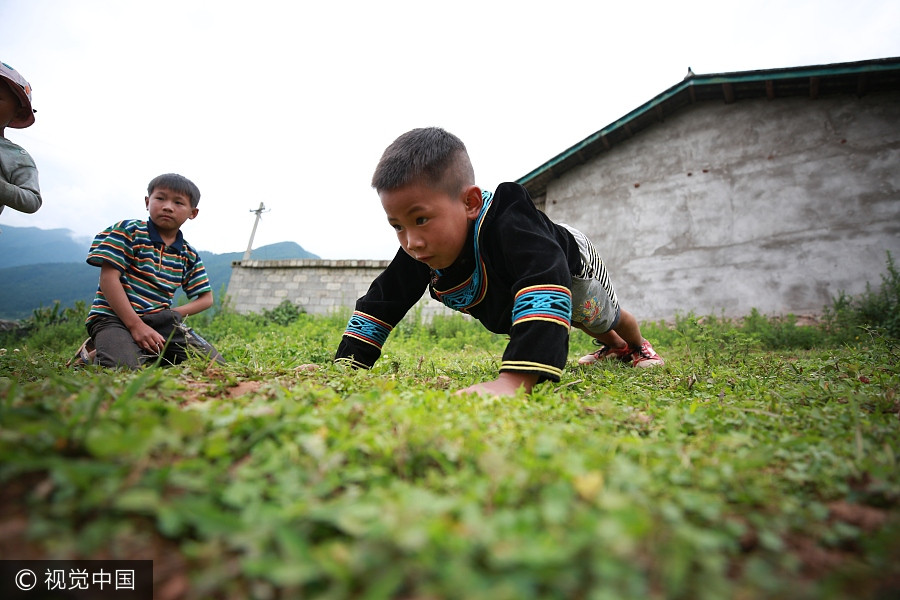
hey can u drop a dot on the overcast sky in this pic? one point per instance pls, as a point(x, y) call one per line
point(291, 103)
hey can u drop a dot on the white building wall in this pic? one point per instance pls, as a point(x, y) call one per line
point(776, 205)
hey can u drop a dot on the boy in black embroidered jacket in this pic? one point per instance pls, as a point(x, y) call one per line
point(493, 256)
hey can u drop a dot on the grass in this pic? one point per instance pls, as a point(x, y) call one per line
point(760, 462)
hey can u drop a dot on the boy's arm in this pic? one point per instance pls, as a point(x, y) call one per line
point(196, 285)
point(19, 198)
point(143, 335)
point(386, 302)
point(526, 246)
point(198, 304)
point(22, 192)
point(18, 195)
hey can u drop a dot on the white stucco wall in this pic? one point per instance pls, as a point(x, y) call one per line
point(776, 205)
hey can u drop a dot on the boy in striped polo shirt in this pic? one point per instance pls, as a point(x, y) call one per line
point(494, 256)
point(142, 264)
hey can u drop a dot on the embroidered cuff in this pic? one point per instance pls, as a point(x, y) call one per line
point(368, 329)
point(551, 303)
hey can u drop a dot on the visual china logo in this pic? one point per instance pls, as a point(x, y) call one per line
point(76, 579)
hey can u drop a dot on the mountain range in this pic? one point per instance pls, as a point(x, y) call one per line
point(41, 266)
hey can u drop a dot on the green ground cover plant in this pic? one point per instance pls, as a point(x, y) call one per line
point(760, 462)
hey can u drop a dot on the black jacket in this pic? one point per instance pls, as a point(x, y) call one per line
point(514, 276)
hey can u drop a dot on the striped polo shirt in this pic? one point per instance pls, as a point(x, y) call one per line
point(151, 271)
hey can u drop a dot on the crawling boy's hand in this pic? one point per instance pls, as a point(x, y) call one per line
point(507, 384)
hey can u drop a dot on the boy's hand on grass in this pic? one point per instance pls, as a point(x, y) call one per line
point(507, 384)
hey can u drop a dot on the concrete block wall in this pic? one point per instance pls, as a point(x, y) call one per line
point(320, 287)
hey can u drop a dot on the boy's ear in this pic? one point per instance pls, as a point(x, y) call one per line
point(147, 202)
point(194, 212)
point(473, 201)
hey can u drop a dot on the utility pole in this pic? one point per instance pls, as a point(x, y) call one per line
point(259, 211)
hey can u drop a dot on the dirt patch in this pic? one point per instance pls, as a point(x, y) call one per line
point(867, 518)
point(242, 388)
point(819, 561)
point(202, 390)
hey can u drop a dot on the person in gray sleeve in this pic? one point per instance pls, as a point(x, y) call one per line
point(19, 187)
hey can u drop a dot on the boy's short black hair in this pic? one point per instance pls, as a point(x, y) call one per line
point(176, 183)
point(428, 155)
